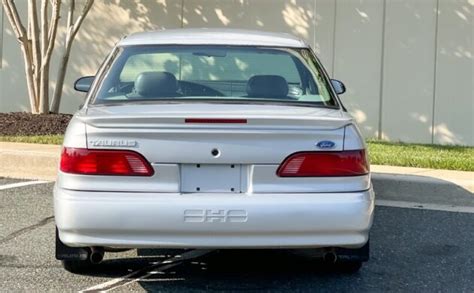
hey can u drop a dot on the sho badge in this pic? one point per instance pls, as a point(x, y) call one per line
point(113, 143)
point(215, 216)
point(325, 144)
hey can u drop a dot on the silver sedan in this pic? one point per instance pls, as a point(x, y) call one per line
point(204, 138)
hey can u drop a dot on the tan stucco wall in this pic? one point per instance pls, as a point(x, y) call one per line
point(407, 64)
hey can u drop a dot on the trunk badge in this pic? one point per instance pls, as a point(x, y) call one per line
point(326, 144)
point(113, 143)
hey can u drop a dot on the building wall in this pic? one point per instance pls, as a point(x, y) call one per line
point(408, 64)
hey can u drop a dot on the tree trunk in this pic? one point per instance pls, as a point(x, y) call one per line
point(48, 35)
point(44, 89)
point(30, 81)
point(62, 70)
point(27, 52)
point(72, 29)
point(33, 35)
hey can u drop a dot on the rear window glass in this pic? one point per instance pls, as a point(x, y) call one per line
point(218, 73)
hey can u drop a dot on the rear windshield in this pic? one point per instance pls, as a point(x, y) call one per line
point(214, 73)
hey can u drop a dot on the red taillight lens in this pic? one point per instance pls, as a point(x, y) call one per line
point(104, 162)
point(324, 164)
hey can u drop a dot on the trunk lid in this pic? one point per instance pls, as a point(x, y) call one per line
point(183, 154)
point(161, 134)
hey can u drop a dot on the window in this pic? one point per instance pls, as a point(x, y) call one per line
point(139, 63)
point(187, 66)
point(218, 73)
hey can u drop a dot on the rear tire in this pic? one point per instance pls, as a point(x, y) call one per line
point(350, 267)
point(78, 266)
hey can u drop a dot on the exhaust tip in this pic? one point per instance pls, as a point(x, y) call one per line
point(96, 255)
point(330, 257)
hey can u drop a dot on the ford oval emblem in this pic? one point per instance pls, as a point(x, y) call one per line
point(326, 144)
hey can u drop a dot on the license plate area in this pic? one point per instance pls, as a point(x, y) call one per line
point(197, 178)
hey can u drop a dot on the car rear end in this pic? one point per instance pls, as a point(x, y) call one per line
point(260, 160)
point(235, 182)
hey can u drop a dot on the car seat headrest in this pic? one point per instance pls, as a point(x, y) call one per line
point(267, 86)
point(156, 84)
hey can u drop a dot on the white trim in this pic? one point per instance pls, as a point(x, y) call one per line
point(21, 184)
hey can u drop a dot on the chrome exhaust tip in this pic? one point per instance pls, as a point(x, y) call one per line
point(97, 255)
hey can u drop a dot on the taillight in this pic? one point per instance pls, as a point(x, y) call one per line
point(104, 162)
point(324, 164)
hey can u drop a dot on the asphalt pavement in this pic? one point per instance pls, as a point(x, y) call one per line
point(412, 249)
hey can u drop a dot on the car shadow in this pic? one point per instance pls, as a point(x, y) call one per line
point(120, 265)
point(222, 270)
point(246, 270)
point(226, 264)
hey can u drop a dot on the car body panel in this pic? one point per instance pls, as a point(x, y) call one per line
point(214, 220)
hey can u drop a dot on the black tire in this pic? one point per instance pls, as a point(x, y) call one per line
point(78, 266)
point(349, 267)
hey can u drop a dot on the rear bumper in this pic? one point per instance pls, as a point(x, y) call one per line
point(135, 220)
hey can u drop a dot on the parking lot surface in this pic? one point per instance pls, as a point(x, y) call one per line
point(411, 250)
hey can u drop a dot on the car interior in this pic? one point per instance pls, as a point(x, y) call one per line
point(219, 74)
point(161, 84)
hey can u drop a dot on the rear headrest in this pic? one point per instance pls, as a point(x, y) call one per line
point(268, 86)
point(156, 84)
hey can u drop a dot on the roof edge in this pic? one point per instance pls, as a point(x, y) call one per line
point(205, 36)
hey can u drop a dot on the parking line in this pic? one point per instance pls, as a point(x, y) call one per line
point(146, 271)
point(425, 206)
point(21, 184)
point(149, 273)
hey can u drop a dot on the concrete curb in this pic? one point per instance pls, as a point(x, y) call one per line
point(29, 161)
point(37, 161)
point(419, 176)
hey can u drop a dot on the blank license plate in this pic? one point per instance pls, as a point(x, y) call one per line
point(210, 178)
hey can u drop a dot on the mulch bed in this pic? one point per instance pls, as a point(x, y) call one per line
point(22, 123)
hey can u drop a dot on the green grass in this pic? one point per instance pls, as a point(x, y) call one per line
point(421, 156)
point(44, 139)
point(381, 153)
